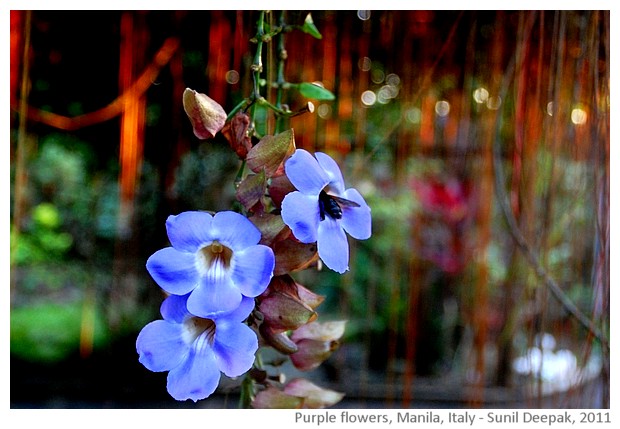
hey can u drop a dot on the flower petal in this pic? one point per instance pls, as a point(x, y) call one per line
point(198, 376)
point(188, 231)
point(252, 268)
point(305, 173)
point(301, 213)
point(234, 230)
point(240, 313)
point(333, 245)
point(161, 346)
point(173, 271)
point(356, 220)
point(331, 168)
point(234, 346)
point(214, 295)
point(174, 308)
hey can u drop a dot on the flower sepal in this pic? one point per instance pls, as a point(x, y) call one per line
point(277, 339)
point(287, 305)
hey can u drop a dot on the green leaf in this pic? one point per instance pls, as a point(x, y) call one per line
point(310, 28)
point(314, 91)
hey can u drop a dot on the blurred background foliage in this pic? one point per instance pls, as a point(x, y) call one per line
point(440, 301)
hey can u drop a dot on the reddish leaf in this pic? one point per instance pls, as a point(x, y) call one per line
point(271, 152)
point(291, 255)
point(279, 187)
point(271, 226)
point(251, 189)
point(236, 132)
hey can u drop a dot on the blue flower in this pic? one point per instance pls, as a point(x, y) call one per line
point(214, 259)
point(321, 210)
point(195, 350)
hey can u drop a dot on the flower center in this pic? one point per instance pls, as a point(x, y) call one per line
point(214, 258)
point(196, 326)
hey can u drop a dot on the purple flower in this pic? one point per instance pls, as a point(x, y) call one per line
point(322, 210)
point(195, 349)
point(214, 259)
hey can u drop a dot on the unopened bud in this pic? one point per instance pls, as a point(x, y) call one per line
point(205, 114)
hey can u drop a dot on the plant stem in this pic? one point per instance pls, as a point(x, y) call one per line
point(242, 105)
point(280, 81)
point(257, 65)
point(247, 392)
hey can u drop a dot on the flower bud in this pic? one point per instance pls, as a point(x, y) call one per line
point(298, 393)
point(274, 398)
point(314, 396)
point(315, 343)
point(205, 114)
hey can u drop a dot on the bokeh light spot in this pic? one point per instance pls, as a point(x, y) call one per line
point(232, 77)
point(368, 98)
point(481, 95)
point(494, 102)
point(578, 116)
point(324, 111)
point(364, 64)
point(413, 115)
point(442, 108)
point(363, 14)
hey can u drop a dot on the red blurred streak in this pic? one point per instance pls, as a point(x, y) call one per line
point(21, 171)
point(240, 44)
point(17, 28)
point(132, 120)
point(523, 82)
point(219, 56)
point(427, 123)
point(116, 107)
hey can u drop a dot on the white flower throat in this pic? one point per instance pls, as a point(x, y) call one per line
point(214, 260)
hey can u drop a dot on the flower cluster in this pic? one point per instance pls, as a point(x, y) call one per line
point(227, 275)
point(212, 271)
